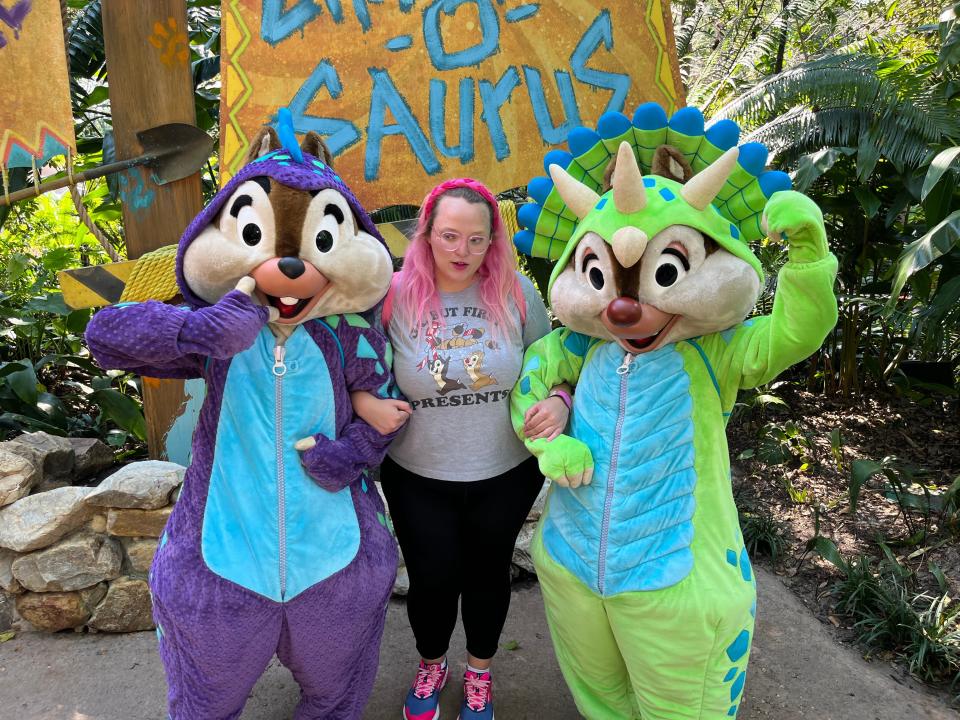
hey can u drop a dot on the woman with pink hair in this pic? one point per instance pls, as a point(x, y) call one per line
point(458, 482)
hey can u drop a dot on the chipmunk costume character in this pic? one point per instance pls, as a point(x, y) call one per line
point(278, 543)
point(649, 592)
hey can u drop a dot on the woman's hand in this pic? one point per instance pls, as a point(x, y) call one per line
point(547, 419)
point(385, 416)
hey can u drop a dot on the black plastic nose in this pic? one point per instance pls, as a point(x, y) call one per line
point(292, 267)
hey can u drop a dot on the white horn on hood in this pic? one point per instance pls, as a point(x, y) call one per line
point(702, 188)
point(576, 195)
point(629, 195)
point(628, 245)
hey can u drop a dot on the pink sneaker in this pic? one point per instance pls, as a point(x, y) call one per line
point(477, 697)
point(423, 699)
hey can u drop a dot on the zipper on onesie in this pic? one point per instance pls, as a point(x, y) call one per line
point(279, 370)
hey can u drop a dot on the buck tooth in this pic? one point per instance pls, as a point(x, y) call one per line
point(289, 300)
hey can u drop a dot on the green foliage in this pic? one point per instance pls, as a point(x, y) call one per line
point(861, 103)
point(47, 379)
point(762, 534)
point(780, 444)
point(890, 613)
point(900, 485)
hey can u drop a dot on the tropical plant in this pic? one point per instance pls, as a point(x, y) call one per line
point(870, 129)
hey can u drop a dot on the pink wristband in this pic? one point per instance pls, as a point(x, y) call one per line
point(563, 395)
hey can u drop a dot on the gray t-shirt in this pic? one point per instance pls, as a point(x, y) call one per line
point(458, 376)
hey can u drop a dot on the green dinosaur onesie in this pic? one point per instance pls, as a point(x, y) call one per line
point(648, 590)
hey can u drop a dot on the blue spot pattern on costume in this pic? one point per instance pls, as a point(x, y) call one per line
point(365, 350)
point(738, 648)
point(577, 344)
point(666, 194)
point(525, 385)
point(745, 571)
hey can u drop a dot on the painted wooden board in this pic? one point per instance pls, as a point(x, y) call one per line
point(408, 92)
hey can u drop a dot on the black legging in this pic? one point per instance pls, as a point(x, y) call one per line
point(457, 540)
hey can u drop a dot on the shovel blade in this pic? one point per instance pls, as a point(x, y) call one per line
point(176, 150)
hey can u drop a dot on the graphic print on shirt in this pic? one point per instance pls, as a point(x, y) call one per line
point(456, 355)
point(473, 364)
point(439, 367)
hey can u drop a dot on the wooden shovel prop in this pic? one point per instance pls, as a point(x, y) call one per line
point(172, 152)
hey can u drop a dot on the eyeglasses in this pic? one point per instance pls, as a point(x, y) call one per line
point(450, 241)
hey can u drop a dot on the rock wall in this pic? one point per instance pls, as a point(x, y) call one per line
point(73, 556)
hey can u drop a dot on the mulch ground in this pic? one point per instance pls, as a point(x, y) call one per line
point(809, 489)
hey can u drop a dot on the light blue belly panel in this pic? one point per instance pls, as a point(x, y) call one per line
point(631, 530)
point(241, 537)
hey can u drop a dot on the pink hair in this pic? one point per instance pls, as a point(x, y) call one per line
point(417, 293)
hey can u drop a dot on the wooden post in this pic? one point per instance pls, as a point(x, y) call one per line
point(149, 72)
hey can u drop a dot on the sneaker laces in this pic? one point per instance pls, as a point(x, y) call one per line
point(427, 680)
point(477, 691)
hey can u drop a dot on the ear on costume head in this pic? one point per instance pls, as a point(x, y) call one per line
point(265, 141)
point(314, 145)
point(670, 163)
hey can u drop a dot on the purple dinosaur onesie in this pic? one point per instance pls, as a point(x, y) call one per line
point(278, 543)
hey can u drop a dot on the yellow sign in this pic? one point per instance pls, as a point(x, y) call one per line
point(36, 121)
point(408, 93)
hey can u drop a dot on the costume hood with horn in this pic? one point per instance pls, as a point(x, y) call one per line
point(648, 589)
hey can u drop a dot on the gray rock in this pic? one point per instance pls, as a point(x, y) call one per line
point(51, 454)
point(401, 586)
point(79, 561)
point(7, 611)
point(92, 456)
point(143, 485)
point(37, 521)
point(17, 476)
point(7, 581)
point(50, 484)
point(125, 608)
point(93, 595)
point(137, 523)
point(139, 552)
point(521, 551)
point(537, 510)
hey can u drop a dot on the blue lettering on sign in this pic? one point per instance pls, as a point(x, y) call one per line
point(400, 42)
point(340, 134)
point(363, 14)
point(493, 97)
point(277, 24)
point(600, 31)
point(383, 96)
point(489, 31)
point(551, 133)
point(283, 18)
point(335, 10)
point(438, 113)
point(522, 13)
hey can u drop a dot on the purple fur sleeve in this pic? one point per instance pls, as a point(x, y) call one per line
point(335, 464)
point(165, 341)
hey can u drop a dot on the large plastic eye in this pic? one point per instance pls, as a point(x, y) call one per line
point(671, 266)
point(324, 241)
point(251, 234)
point(591, 266)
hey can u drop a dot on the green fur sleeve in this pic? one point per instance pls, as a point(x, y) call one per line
point(554, 359)
point(804, 306)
